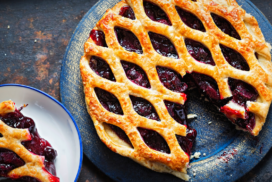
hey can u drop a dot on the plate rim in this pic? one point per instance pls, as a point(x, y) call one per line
point(66, 110)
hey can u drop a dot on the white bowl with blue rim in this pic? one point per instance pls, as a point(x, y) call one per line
point(54, 123)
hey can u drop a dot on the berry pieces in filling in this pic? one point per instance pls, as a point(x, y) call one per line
point(144, 108)
point(242, 92)
point(163, 45)
point(199, 52)
point(234, 58)
point(171, 80)
point(128, 40)
point(98, 37)
point(127, 12)
point(225, 26)
point(178, 113)
point(154, 140)
point(101, 68)
point(190, 19)
point(155, 13)
point(108, 101)
point(36, 145)
point(136, 74)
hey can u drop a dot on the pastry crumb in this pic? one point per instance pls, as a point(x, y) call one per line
point(204, 154)
point(35, 40)
point(209, 122)
point(191, 116)
point(197, 155)
point(8, 26)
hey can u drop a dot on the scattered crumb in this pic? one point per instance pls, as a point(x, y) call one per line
point(8, 26)
point(209, 122)
point(206, 100)
point(204, 154)
point(35, 40)
point(191, 116)
point(197, 155)
point(5, 54)
point(194, 174)
point(194, 171)
point(231, 175)
point(192, 156)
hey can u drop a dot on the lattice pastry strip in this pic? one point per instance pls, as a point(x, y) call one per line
point(11, 139)
point(244, 40)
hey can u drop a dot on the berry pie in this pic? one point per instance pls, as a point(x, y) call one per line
point(24, 155)
point(144, 55)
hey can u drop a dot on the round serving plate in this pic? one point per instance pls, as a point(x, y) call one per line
point(229, 153)
point(54, 123)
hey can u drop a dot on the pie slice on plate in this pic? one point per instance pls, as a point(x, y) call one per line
point(24, 154)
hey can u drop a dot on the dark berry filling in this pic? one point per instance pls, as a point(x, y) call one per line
point(101, 68)
point(155, 13)
point(199, 52)
point(127, 12)
point(171, 80)
point(208, 86)
point(144, 108)
point(163, 45)
point(187, 142)
point(108, 101)
point(248, 123)
point(154, 140)
point(98, 37)
point(234, 58)
point(120, 133)
point(242, 92)
point(178, 113)
point(136, 74)
point(128, 40)
point(9, 161)
point(225, 26)
point(190, 19)
point(37, 145)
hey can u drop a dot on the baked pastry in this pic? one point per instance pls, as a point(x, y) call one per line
point(143, 56)
point(24, 154)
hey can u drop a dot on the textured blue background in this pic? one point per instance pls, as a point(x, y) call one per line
point(212, 139)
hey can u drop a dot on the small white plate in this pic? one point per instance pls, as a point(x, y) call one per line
point(54, 123)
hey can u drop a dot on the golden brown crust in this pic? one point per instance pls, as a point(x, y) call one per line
point(251, 41)
point(11, 140)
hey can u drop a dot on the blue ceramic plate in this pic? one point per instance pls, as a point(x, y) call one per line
point(54, 123)
point(229, 153)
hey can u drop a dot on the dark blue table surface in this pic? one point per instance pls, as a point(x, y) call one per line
point(38, 64)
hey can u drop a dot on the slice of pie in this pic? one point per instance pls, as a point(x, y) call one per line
point(24, 155)
point(142, 58)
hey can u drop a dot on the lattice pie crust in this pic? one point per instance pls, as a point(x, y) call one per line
point(252, 43)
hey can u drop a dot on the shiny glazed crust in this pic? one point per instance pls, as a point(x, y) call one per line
point(11, 140)
point(251, 41)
